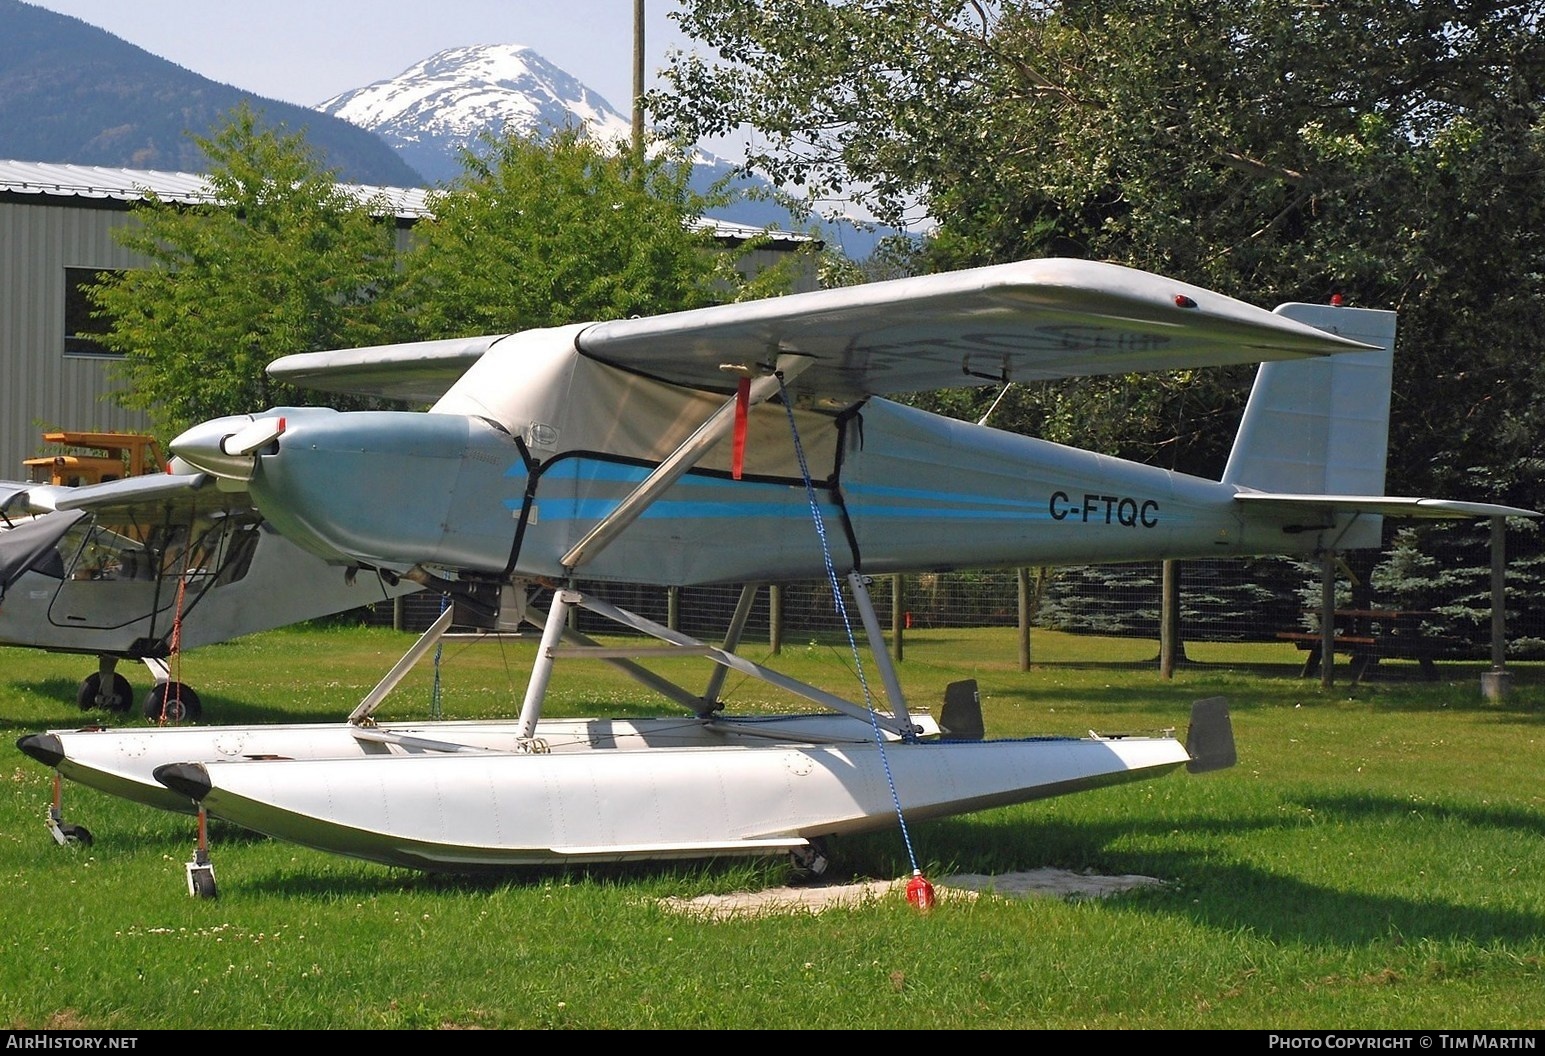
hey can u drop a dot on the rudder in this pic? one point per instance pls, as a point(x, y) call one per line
point(1320, 426)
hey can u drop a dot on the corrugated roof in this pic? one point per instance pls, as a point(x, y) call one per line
point(50, 180)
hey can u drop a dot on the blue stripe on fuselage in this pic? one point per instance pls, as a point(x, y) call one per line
point(775, 500)
point(865, 501)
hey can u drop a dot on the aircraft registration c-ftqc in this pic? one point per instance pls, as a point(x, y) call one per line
point(748, 444)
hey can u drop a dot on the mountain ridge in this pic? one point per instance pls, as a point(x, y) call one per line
point(73, 93)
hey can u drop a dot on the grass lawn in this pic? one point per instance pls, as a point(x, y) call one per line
point(1374, 861)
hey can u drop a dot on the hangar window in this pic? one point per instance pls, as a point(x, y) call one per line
point(82, 333)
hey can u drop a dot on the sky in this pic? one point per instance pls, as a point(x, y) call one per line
point(307, 51)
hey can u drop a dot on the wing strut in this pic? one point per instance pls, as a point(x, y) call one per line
point(859, 585)
point(682, 459)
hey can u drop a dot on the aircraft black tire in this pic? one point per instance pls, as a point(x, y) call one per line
point(120, 700)
point(203, 881)
point(812, 860)
point(178, 701)
point(77, 834)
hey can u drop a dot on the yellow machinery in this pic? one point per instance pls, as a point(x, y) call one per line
point(114, 455)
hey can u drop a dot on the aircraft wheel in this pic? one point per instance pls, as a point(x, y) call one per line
point(76, 834)
point(178, 702)
point(90, 694)
point(811, 860)
point(201, 882)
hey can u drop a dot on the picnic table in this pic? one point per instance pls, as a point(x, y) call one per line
point(1368, 635)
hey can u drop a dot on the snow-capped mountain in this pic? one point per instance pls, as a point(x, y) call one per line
point(437, 107)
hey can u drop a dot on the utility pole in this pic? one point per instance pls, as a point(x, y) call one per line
point(638, 79)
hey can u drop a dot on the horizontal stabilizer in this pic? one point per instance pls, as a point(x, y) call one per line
point(1386, 505)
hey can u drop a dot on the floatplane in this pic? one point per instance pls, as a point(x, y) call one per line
point(748, 444)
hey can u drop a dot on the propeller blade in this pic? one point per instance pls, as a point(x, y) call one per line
point(260, 433)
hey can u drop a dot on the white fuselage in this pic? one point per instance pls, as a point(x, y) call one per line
point(537, 443)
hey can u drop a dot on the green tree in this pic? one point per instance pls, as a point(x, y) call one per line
point(1392, 151)
point(281, 260)
point(547, 232)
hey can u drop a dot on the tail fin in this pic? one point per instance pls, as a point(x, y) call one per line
point(1320, 426)
point(1315, 435)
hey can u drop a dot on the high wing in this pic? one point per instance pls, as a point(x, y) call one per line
point(125, 496)
point(1026, 321)
point(37, 515)
point(1033, 320)
point(418, 372)
point(13, 498)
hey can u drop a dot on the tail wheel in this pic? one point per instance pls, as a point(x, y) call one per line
point(172, 702)
point(202, 883)
point(76, 834)
point(118, 698)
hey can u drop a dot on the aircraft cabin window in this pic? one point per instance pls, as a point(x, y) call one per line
point(81, 331)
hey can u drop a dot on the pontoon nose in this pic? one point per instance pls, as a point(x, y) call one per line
point(190, 779)
point(44, 747)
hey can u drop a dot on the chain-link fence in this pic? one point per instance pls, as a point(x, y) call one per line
point(1440, 572)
